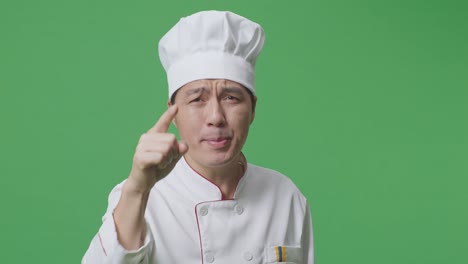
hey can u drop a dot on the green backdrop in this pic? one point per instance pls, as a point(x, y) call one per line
point(363, 104)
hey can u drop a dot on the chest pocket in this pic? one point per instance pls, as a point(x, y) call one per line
point(283, 254)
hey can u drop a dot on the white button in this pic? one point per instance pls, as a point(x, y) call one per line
point(209, 258)
point(239, 209)
point(204, 211)
point(248, 256)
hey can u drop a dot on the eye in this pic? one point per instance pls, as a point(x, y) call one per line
point(230, 98)
point(196, 100)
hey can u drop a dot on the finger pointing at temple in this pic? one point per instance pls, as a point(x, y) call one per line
point(164, 121)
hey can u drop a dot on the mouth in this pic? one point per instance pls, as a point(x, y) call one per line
point(217, 142)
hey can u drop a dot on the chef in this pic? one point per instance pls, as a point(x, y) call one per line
point(198, 200)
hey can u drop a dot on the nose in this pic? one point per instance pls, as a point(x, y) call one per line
point(215, 114)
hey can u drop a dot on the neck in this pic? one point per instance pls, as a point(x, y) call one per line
point(226, 177)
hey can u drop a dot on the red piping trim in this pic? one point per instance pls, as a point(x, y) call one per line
point(100, 240)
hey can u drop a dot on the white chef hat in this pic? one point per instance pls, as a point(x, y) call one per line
point(211, 45)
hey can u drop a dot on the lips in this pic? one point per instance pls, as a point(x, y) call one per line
point(217, 142)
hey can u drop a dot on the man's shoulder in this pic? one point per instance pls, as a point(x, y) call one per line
point(271, 174)
point(273, 179)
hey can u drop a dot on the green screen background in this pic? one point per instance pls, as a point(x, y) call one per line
point(363, 104)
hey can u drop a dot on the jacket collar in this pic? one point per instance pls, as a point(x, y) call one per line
point(200, 188)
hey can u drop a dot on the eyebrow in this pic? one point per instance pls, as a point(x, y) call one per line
point(236, 90)
point(227, 89)
point(195, 91)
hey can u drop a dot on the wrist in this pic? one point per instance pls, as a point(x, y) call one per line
point(130, 188)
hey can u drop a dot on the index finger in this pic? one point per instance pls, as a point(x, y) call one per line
point(164, 121)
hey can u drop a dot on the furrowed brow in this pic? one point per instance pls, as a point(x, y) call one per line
point(195, 91)
point(235, 90)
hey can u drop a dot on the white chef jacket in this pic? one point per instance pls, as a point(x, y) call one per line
point(188, 222)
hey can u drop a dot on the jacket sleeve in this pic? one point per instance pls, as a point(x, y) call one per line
point(308, 238)
point(105, 247)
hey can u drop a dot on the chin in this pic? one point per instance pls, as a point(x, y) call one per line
point(218, 159)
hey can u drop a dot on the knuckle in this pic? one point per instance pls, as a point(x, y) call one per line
point(172, 137)
point(137, 158)
point(139, 148)
point(143, 137)
point(142, 147)
point(144, 161)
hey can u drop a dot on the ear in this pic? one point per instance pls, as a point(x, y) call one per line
point(169, 104)
point(254, 105)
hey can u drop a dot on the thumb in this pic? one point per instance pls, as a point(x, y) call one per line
point(183, 148)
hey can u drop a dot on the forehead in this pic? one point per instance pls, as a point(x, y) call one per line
point(209, 84)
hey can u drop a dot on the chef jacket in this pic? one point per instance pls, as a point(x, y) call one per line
point(188, 222)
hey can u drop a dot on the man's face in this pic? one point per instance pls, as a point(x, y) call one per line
point(213, 120)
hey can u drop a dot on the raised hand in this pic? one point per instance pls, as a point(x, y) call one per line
point(156, 154)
